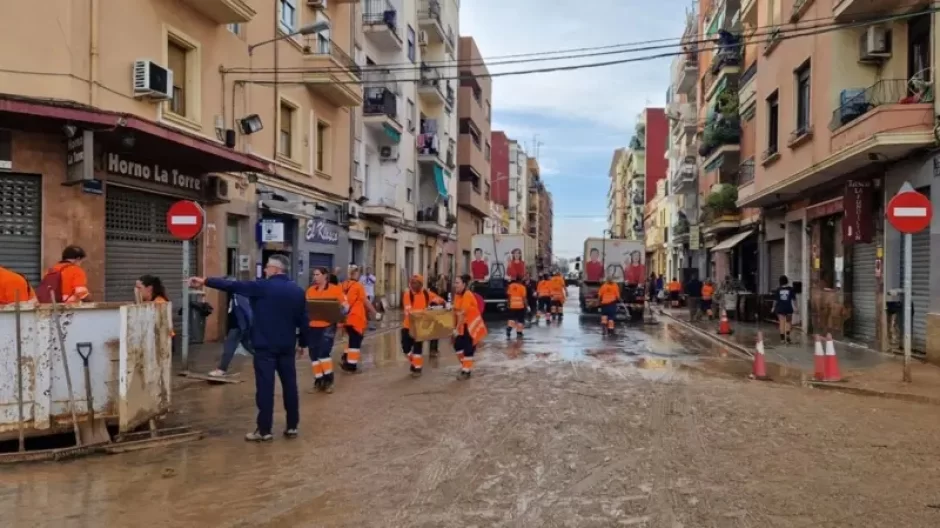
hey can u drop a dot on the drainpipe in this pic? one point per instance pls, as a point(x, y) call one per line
point(277, 88)
point(93, 53)
point(353, 122)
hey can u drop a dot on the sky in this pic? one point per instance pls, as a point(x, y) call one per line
point(579, 116)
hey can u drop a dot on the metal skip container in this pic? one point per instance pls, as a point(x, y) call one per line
point(130, 365)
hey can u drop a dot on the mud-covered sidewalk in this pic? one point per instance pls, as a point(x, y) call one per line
point(533, 439)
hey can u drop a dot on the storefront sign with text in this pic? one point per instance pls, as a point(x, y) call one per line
point(321, 232)
point(857, 204)
point(156, 173)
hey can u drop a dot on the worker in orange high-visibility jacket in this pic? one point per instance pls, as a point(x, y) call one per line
point(66, 280)
point(518, 300)
point(415, 299)
point(360, 308)
point(14, 287)
point(544, 293)
point(608, 296)
point(708, 292)
point(470, 328)
point(559, 296)
point(323, 333)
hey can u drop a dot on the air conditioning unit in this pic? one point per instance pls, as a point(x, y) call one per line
point(423, 38)
point(319, 4)
point(388, 153)
point(218, 189)
point(874, 44)
point(353, 209)
point(152, 81)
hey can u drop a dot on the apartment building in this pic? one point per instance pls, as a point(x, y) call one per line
point(546, 218)
point(841, 121)
point(474, 148)
point(656, 229)
point(617, 196)
point(518, 190)
point(144, 102)
point(684, 257)
point(645, 165)
point(499, 168)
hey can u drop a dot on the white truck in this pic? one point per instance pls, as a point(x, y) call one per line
point(618, 258)
point(494, 260)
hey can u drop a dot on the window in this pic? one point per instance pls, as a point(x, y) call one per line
point(802, 99)
point(411, 115)
point(486, 190)
point(773, 122)
point(176, 55)
point(410, 186)
point(323, 131)
point(235, 29)
point(486, 151)
point(288, 15)
point(411, 44)
point(488, 110)
point(285, 146)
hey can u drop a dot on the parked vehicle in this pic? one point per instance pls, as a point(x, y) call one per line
point(494, 260)
point(622, 260)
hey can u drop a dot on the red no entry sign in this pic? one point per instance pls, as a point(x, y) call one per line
point(185, 219)
point(910, 212)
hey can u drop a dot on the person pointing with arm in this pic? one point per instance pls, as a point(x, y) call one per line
point(280, 330)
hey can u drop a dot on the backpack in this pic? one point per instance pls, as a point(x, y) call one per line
point(481, 305)
point(50, 287)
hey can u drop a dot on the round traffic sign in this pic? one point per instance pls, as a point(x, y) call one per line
point(185, 219)
point(910, 212)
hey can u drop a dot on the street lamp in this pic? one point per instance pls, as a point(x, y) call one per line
point(309, 29)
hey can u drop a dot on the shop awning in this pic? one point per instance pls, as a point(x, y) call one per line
point(729, 243)
point(392, 134)
point(440, 181)
point(281, 208)
point(188, 151)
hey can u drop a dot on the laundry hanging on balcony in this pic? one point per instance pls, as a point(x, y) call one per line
point(440, 181)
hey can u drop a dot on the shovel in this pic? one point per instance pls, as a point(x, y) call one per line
point(93, 432)
point(65, 365)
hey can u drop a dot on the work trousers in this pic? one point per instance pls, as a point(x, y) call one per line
point(234, 338)
point(321, 346)
point(267, 362)
point(353, 349)
point(465, 349)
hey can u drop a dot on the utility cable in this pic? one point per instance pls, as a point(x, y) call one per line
point(774, 37)
point(575, 53)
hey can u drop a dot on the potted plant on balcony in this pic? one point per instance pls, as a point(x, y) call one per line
point(721, 204)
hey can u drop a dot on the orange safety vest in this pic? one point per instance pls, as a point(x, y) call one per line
point(674, 286)
point(517, 296)
point(416, 302)
point(356, 297)
point(544, 288)
point(558, 288)
point(331, 291)
point(473, 324)
point(14, 287)
point(164, 300)
point(608, 293)
point(707, 292)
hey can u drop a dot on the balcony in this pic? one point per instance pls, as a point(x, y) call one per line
point(434, 219)
point(850, 10)
point(685, 72)
point(724, 71)
point(721, 212)
point(470, 154)
point(331, 72)
point(470, 197)
point(431, 21)
point(224, 11)
point(683, 117)
point(433, 90)
point(382, 200)
point(685, 174)
point(380, 24)
point(721, 144)
point(380, 113)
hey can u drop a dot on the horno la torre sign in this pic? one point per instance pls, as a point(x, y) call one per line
point(156, 173)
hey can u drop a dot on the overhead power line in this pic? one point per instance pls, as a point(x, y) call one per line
point(773, 37)
point(577, 53)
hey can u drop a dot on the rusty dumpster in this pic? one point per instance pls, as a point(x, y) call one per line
point(130, 362)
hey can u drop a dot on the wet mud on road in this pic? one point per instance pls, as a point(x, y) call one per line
point(566, 428)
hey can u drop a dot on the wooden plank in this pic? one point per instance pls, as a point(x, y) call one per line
point(211, 379)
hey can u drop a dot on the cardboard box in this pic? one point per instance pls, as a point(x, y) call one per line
point(325, 310)
point(428, 325)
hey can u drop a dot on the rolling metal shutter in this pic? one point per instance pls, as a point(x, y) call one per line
point(864, 293)
point(137, 243)
point(920, 244)
point(321, 260)
point(777, 263)
point(21, 225)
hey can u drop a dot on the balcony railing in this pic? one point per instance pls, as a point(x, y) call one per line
point(729, 55)
point(723, 131)
point(430, 140)
point(382, 194)
point(857, 102)
point(380, 100)
point(748, 74)
point(380, 12)
point(746, 172)
point(430, 9)
point(430, 77)
point(322, 46)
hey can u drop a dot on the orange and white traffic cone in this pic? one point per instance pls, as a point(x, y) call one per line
point(759, 371)
point(819, 360)
point(724, 326)
point(832, 361)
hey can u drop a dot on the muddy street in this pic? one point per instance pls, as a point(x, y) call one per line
point(652, 427)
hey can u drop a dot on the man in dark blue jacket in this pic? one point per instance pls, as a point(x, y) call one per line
point(279, 330)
